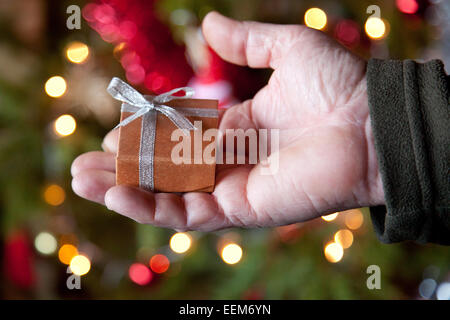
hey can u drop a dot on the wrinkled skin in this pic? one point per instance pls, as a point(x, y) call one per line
point(316, 96)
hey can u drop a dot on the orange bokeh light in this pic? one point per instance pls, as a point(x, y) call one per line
point(159, 263)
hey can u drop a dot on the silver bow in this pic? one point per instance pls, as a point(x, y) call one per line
point(121, 91)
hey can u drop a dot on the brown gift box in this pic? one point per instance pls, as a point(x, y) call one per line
point(167, 176)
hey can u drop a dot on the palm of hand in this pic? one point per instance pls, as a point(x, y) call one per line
point(317, 98)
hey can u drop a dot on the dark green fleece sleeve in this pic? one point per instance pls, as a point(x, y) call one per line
point(410, 116)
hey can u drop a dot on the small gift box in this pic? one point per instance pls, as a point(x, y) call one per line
point(161, 143)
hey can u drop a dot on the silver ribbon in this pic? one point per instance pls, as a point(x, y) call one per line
point(147, 107)
point(122, 91)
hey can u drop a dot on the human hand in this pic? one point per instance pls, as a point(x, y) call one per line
point(316, 97)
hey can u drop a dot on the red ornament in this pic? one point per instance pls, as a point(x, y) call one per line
point(150, 56)
point(18, 263)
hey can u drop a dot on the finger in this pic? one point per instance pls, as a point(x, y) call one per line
point(239, 116)
point(95, 160)
point(197, 211)
point(93, 184)
point(258, 45)
point(111, 142)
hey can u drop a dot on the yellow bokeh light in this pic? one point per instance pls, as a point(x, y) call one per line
point(330, 217)
point(354, 219)
point(80, 265)
point(54, 195)
point(344, 237)
point(66, 253)
point(119, 49)
point(231, 253)
point(315, 18)
point(65, 125)
point(55, 87)
point(375, 28)
point(45, 243)
point(333, 252)
point(180, 242)
point(77, 52)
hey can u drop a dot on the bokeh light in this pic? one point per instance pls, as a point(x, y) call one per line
point(66, 253)
point(330, 217)
point(375, 28)
point(80, 265)
point(427, 288)
point(77, 52)
point(344, 238)
point(65, 125)
point(443, 291)
point(407, 6)
point(55, 87)
point(180, 242)
point(231, 253)
point(315, 18)
point(159, 263)
point(45, 243)
point(333, 252)
point(140, 274)
point(354, 219)
point(54, 195)
point(347, 32)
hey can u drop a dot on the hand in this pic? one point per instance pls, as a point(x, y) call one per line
point(316, 96)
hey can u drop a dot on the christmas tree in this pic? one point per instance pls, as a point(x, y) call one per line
point(53, 81)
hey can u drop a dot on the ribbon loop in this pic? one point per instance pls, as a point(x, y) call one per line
point(122, 91)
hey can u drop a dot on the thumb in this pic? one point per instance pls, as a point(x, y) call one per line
point(258, 45)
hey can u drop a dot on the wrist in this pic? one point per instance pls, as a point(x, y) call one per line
point(374, 183)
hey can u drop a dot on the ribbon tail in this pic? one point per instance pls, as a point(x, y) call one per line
point(178, 119)
point(131, 118)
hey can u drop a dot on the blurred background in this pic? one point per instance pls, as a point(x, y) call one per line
point(56, 60)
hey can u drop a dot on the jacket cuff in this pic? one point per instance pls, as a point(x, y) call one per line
point(409, 113)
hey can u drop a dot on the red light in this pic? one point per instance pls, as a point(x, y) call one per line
point(159, 263)
point(140, 274)
point(347, 32)
point(135, 74)
point(128, 30)
point(407, 6)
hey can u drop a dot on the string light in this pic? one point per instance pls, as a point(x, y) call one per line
point(407, 6)
point(315, 18)
point(45, 243)
point(375, 28)
point(443, 291)
point(77, 52)
point(65, 125)
point(54, 195)
point(159, 263)
point(354, 219)
point(330, 217)
point(347, 32)
point(55, 87)
point(180, 242)
point(344, 238)
point(427, 288)
point(140, 274)
point(333, 252)
point(66, 253)
point(231, 253)
point(80, 265)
